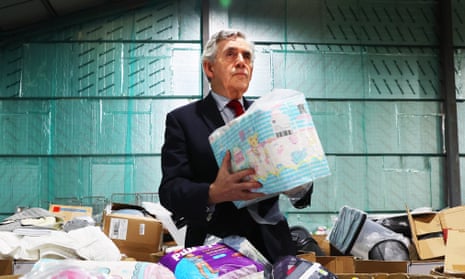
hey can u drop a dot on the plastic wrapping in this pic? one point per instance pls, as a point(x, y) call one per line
point(211, 261)
point(355, 234)
point(64, 270)
point(277, 137)
point(77, 269)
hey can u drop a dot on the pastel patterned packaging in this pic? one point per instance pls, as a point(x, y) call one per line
point(276, 136)
point(85, 269)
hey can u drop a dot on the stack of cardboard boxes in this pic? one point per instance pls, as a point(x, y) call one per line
point(438, 239)
point(441, 235)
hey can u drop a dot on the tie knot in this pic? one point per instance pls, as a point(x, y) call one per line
point(236, 106)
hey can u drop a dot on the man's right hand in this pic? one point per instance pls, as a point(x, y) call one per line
point(235, 186)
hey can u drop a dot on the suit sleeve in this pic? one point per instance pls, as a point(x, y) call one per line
point(181, 192)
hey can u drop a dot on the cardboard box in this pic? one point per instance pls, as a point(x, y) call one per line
point(136, 236)
point(334, 264)
point(15, 267)
point(6, 267)
point(342, 264)
point(427, 234)
point(452, 218)
point(376, 266)
point(349, 264)
point(323, 243)
point(69, 212)
point(455, 252)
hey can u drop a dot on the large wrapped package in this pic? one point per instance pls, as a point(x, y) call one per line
point(216, 260)
point(275, 136)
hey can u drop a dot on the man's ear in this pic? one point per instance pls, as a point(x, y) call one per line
point(208, 69)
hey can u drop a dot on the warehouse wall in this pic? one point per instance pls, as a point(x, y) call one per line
point(83, 102)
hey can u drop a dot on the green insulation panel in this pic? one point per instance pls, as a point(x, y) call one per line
point(83, 102)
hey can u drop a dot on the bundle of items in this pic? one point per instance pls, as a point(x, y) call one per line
point(32, 221)
point(275, 136)
point(211, 261)
point(355, 234)
point(36, 233)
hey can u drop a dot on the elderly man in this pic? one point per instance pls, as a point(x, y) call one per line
point(193, 187)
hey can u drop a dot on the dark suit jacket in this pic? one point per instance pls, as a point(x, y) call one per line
point(189, 167)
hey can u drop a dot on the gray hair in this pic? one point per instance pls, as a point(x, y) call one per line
point(211, 48)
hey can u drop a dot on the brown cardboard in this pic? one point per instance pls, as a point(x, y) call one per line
point(452, 218)
point(349, 264)
point(375, 266)
point(334, 264)
point(311, 257)
point(439, 271)
point(427, 234)
point(136, 236)
point(323, 243)
point(6, 267)
point(68, 212)
point(342, 264)
point(455, 252)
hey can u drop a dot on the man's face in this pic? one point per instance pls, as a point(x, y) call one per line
point(231, 71)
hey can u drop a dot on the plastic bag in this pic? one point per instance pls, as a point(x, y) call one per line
point(63, 270)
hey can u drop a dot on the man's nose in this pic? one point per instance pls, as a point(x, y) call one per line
point(240, 60)
point(240, 56)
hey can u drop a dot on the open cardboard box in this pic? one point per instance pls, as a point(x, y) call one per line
point(427, 234)
point(69, 212)
point(137, 237)
point(446, 231)
point(453, 227)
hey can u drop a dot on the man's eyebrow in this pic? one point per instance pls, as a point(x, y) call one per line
point(237, 49)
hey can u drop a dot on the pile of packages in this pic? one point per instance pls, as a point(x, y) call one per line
point(420, 236)
point(37, 233)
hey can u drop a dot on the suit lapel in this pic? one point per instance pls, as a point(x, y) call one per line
point(210, 114)
point(209, 111)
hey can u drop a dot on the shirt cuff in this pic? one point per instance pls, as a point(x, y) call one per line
point(210, 209)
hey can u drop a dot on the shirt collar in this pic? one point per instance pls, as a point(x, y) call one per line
point(222, 101)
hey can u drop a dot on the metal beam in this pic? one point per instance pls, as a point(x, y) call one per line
point(205, 17)
point(452, 165)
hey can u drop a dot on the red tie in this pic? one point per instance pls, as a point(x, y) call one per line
point(236, 106)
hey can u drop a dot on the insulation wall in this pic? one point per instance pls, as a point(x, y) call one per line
point(83, 102)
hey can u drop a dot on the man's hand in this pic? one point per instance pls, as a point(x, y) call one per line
point(233, 186)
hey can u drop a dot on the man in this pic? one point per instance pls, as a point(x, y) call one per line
point(193, 187)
